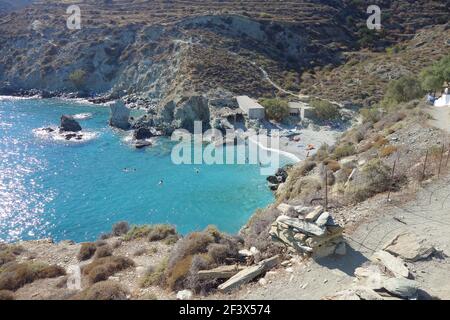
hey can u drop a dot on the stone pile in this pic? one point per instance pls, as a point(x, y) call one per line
point(308, 230)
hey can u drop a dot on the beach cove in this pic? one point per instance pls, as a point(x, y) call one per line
point(78, 190)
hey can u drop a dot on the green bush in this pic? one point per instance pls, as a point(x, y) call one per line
point(325, 110)
point(370, 115)
point(432, 78)
point(78, 78)
point(276, 109)
point(404, 89)
point(344, 150)
point(155, 276)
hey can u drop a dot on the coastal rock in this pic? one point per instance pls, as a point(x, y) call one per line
point(409, 247)
point(183, 111)
point(393, 264)
point(142, 133)
point(120, 116)
point(140, 144)
point(69, 124)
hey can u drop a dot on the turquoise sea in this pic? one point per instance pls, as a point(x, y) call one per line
point(79, 190)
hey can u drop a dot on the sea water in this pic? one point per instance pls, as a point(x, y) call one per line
point(73, 190)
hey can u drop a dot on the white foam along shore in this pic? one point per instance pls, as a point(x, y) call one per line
point(281, 152)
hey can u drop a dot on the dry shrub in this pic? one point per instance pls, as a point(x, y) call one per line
point(304, 189)
point(87, 250)
point(155, 276)
point(8, 253)
point(156, 232)
point(15, 275)
point(179, 272)
point(373, 178)
point(389, 120)
point(332, 165)
point(256, 232)
point(387, 150)
point(120, 228)
point(137, 232)
point(6, 295)
point(104, 290)
point(161, 231)
point(103, 251)
point(344, 150)
point(102, 268)
point(210, 246)
point(302, 169)
point(380, 141)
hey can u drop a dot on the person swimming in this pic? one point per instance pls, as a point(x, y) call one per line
point(161, 182)
point(197, 170)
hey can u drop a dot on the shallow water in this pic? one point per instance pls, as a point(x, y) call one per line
point(79, 190)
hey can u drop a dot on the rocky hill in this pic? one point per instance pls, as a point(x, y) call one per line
point(155, 48)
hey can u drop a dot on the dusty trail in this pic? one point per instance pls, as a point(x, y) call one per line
point(440, 117)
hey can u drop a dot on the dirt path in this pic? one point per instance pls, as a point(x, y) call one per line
point(428, 216)
point(441, 117)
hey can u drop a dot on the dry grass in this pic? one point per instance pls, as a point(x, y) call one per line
point(387, 150)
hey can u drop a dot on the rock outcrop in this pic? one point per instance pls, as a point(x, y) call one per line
point(120, 115)
point(69, 124)
point(183, 111)
point(142, 133)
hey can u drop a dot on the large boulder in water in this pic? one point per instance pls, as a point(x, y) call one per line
point(142, 133)
point(68, 123)
point(120, 116)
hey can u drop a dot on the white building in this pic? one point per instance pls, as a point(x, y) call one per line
point(251, 107)
point(301, 110)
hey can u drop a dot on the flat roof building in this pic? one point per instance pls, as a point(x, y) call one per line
point(251, 107)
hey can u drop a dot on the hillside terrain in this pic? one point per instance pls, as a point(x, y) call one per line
point(386, 175)
point(155, 48)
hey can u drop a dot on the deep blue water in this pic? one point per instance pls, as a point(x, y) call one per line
point(78, 191)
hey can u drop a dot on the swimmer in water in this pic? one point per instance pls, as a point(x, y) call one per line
point(197, 170)
point(161, 182)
